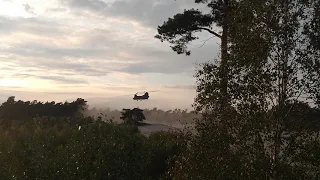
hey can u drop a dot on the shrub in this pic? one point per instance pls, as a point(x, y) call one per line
point(83, 148)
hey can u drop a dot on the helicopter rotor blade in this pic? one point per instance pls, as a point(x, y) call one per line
point(154, 91)
point(135, 93)
point(142, 92)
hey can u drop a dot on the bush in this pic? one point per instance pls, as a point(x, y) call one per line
point(83, 148)
point(163, 147)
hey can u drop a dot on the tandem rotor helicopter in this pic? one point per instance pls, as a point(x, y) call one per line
point(144, 96)
point(140, 96)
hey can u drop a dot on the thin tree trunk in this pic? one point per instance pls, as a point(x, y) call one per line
point(224, 59)
point(281, 114)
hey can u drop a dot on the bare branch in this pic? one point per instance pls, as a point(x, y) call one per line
point(206, 41)
point(209, 30)
point(296, 99)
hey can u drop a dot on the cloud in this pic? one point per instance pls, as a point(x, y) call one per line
point(95, 51)
point(97, 48)
point(168, 62)
point(44, 48)
point(28, 8)
point(192, 87)
point(19, 64)
point(148, 12)
point(57, 79)
point(157, 67)
point(63, 80)
point(32, 25)
point(52, 51)
point(12, 87)
point(73, 68)
point(118, 87)
point(56, 10)
point(93, 5)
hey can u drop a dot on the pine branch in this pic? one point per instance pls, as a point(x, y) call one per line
point(210, 31)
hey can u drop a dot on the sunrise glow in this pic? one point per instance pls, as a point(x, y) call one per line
point(11, 82)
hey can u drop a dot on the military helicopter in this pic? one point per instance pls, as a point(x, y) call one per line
point(145, 96)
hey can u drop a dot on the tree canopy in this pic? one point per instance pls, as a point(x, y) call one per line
point(29, 110)
point(132, 116)
point(269, 77)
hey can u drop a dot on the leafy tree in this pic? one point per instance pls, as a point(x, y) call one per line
point(222, 126)
point(181, 29)
point(278, 78)
point(163, 148)
point(270, 67)
point(132, 116)
point(312, 51)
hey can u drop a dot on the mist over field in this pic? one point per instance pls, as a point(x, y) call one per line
point(166, 100)
point(157, 119)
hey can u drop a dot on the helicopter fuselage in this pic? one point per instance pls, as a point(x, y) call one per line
point(140, 98)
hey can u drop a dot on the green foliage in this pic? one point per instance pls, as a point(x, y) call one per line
point(313, 27)
point(264, 131)
point(180, 29)
point(132, 116)
point(82, 148)
point(163, 148)
point(311, 60)
point(267, 130)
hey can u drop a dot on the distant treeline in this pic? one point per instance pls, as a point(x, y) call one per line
point(155, 115)
point(24, 110)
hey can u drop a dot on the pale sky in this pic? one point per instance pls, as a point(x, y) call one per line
point(101, 50)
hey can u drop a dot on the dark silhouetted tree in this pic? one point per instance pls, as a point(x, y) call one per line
point(132, 116)
point(272, 64)
point(181, 29)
